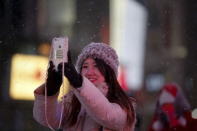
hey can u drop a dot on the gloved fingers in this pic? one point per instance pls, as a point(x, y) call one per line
point(51, 65)
point(66, 65)
point(52, 73)
point(50, 69)
point(59, 67)
point(59, 73)
point(69, 68)
point(69, 56)
point(68, 73)
point(54, 79)
point(66, 68)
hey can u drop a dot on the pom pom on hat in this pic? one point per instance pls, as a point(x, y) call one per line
point(101, 51)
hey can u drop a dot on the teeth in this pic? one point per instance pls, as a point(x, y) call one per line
point(92, 79)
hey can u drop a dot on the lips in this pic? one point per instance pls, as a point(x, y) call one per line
point(92, 79)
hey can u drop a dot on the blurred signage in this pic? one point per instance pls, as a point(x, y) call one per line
point(27, 73)
point(127, 35)
point(122, 78)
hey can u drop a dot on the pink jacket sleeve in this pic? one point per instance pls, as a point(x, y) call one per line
point(53, 109)
point(110, 115)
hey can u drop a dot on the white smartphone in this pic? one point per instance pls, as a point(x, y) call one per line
point(59, 51)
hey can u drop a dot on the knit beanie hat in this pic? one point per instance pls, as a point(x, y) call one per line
point(101, 51)
point(168, 94)
point(171, 88)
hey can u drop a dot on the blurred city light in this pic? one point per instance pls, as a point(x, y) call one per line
point(27, 73)
point(127, 35)
point(194, 113)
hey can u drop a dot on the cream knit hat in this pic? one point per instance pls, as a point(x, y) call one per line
point(101, 51)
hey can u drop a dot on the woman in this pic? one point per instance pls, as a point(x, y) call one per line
point(96, 101)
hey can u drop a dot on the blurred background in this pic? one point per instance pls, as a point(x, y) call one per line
point(155, 41)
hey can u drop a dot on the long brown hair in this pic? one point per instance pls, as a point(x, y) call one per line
point(115, 94)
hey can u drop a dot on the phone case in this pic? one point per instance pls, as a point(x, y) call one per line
point(59, 50)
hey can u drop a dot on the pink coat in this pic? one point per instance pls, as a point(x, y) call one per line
point(96, 110)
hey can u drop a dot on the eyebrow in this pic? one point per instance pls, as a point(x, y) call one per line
point(86, 63)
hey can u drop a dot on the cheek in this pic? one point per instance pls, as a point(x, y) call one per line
point(101, 78)
point(83, 71)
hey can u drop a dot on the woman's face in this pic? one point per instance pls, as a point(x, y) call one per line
point(91, 71)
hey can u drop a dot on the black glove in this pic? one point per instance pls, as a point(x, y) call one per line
point(71, 73)
point(54, 80)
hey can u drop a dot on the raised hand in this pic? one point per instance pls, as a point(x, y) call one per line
point(54, 80)
point(71, 73)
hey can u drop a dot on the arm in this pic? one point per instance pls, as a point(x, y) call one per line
point(53, 108)
point(48, 114)
point(110, 115)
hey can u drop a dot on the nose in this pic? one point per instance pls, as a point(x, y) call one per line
point(89, 71)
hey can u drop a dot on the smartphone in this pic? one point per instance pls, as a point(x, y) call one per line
point(59, 50)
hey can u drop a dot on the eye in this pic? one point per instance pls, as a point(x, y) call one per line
point(84, 66)
point(95, 65)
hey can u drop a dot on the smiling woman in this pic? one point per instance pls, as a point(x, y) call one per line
point(91, 71)
point(95, 102)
